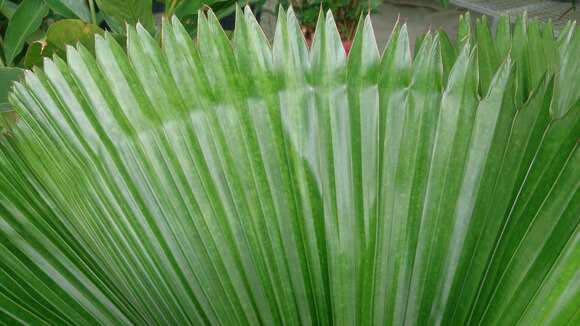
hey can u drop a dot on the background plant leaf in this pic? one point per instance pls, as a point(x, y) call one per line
point(63, 33)
point(71, 8)
point(129, 11)
point(187, 8)
point(33, 56)
point(25, 21)
point(8, 76)
point(70, 32)
point(8, 8)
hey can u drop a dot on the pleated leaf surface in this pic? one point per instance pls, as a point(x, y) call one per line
point(237, 182)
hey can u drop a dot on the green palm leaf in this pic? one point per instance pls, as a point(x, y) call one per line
point(231, 183)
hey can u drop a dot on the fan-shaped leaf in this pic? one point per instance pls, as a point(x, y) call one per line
point(230, 182)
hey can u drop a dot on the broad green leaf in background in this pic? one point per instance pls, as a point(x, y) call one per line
point(23, 23)
point(222, 182)
point(70, 32)
point(71, 8)
point(7, 8)
point(33, 56)
point(128, 11)
point(191, 7)
point(188, 10)
point(172, 5)
point(60, 35)
point(185, 8)
point(8, 76)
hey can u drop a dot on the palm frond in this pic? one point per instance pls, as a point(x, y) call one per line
point(218, 182)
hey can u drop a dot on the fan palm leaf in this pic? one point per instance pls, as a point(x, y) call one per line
point(231, 182)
